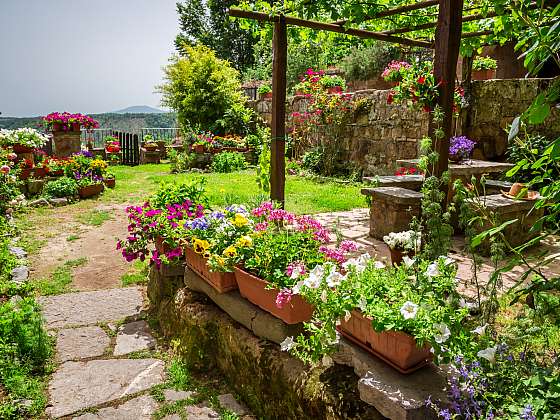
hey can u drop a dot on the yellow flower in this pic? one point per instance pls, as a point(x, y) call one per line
point(244, 241)
point(221, 261)
point(230, 251)
point(200, 246)
point(239, 220)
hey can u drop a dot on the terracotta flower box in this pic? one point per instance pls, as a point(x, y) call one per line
point(483, 74)
point(222, 282)
point(255, 290)
point(21, 149)
point(110, 183)
point(90, 190)
point(395, 348)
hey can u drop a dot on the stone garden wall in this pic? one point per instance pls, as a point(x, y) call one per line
point(381, 133)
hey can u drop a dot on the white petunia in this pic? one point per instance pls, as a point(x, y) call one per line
point(379, 265)
point(432, 270)
point(409, 262)
point(480, 330)
point(442, 333)
point(297, 287)
point(315, 277)
point(335, 278)
point(362, 304)
point(351, 262)
point(287, 344)
point(488, 354)
point(409, 309)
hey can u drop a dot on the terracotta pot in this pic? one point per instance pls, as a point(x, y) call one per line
point(56, 127)
point(59, 172)
point(161, 246)
point(198, 148)
point(397, 255)
point(516, 189)
point(266, 96)
point(20, 149)
point(75, 127)
point(110, 183)
point(255, 290)
point(334, 89)
point(90, 190)
point(483, 74)
point(222, 282)
point(395, 348)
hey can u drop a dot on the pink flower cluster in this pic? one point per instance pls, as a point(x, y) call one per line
point(339, 255)
point(394, 67)
point(283, 297)
point(296, 269)
point(65, 119)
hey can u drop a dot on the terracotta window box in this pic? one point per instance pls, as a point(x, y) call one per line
point(255, 290)
point(221, 281)
point(395, 348)
point(90, 190)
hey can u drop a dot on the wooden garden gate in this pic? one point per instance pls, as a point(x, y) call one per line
point(130, 147)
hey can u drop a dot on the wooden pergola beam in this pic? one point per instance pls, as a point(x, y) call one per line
point(313, 24)
point(395, 11)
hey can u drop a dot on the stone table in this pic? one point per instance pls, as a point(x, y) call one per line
point(466, 169)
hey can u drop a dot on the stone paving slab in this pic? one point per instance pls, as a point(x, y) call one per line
point(140, 408)
point(134, 336)
point(79, 385)
point(89, 308)
point(81, 343)
point(229, 402)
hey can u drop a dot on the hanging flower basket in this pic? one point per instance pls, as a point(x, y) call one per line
point(222, 282)
point(395, 348)
point(90, 190)
point(255, 290)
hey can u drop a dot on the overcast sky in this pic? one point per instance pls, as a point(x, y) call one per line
point(86, 56)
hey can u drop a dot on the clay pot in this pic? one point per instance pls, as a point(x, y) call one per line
point(110, 183)
point(161, 246)
point(75, 127)
point(56, 127)
point(25, 173)
point(483, 74)
point(222, 282)
point(395, 348)
point(198, 148)
point(255, 290)
point(266, 96)
point(397, 255)
point(334, 89)
point(90, 190)
point(20, 149)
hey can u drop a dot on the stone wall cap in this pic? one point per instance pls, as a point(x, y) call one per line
point(502, 204)
point(396, 195)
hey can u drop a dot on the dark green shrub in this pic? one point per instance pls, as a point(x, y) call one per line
point(313, 160)
point(61, 187)
point(174, 193)
point(226, 162)
point(368, 62)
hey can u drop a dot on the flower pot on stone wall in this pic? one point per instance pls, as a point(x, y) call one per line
point(39, 172)
point(221, 281)
point(486, 74)
point(395, 348)
point(255, 290)
point(56, 127)
point(90, 190)
point(21, 149)
point(25, 173)
point(266, 96)
point(75, 127)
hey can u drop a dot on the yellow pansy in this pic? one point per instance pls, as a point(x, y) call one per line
point(244, 241)
point(240, 220)
point(200, 246)
point(230, 251)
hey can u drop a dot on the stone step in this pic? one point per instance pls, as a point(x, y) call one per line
point(411, 182)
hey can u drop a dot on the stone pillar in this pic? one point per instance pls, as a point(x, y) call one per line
point(66, 143)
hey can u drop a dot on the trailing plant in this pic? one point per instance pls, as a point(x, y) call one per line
point(28, 137)
point(226, 162)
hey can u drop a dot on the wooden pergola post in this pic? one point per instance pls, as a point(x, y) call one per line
point(278, 141)
point(447, 43)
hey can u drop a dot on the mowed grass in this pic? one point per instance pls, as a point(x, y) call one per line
point(303, 196)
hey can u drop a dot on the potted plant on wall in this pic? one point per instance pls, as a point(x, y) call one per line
point(203, 141)
point(22, 140)
point(149, 143)
point(484, 68)
point(333, 84)
point(402, 244)
point(265, 91)
point(460, 148)
point(395, 71)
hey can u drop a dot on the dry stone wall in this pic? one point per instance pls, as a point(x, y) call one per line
point(380, 133)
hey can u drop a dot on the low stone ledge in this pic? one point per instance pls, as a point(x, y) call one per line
point(261, 323)
point(411, 182)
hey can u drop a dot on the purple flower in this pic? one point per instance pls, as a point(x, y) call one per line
point(461, 147)
point(527, 413)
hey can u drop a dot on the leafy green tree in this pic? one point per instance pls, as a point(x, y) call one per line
point(204, 91)
point(208, 23)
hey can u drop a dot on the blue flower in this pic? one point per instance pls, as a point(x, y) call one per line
point(217, 215)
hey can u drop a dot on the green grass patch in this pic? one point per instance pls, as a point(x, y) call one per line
point(137, 275)
point(60, 279)
point(94, 217)
point(72, 238)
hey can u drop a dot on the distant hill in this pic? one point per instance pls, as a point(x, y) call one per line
point(115, 121)
point(139, 109)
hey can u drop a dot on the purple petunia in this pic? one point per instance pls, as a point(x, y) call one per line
point(461, 147)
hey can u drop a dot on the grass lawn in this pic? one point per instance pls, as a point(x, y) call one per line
point(302, 195)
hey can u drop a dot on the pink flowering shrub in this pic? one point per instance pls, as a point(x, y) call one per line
point(65, 120)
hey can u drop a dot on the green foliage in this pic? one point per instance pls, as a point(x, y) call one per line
point(333, 81)
point(527, 147)
point(364, 63)
point(208, 23)
point(484, 63)
point(181, 161)
point(177, 193)
point(61, 187)
point(263, 168)
point(313, 160)
point(94, 217)
point(264, 89)
point(226, 162)
point(204, 91)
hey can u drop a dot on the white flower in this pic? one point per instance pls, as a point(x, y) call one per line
point(442, 333)
point(402, 240)
point(379, 265)
point(481, 330)
point(364, 258)
point(297, 287)
point(409, 309)
point(432, 270)
point(327, 361)
point(446, 260)
point(409, 262)
point(488, 354)
point(324, 296)
point(287, 344)
point(351, 262)
point(347, 316)
point(315, 277)
point(335, 278)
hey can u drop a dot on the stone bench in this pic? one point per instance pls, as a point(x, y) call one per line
point(392, 209)
point(509, 209)
point(410, 182)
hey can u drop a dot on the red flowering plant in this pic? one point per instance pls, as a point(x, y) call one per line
point(66, 120)
point(418, 88)
point(408, 171)
point(113, 149)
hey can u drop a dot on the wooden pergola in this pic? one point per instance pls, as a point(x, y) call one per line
point(446, 45)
